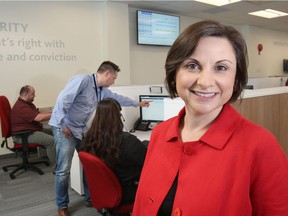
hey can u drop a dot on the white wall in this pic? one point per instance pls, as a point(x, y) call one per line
point(117, 40)
point(88, 31)
point(275, 49)
point(46, 22)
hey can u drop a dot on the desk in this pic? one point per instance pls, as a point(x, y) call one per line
point(76, 172)
point(142, 135)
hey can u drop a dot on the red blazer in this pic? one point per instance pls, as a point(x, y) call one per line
point(236, 168)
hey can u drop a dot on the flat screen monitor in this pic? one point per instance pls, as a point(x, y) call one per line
point(155, 112)
point(157, 28)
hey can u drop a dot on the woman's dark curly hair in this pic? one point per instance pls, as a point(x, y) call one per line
point(104, 137)
point(185, 45)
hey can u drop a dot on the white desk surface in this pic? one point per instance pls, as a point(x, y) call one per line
point(142, 135)
point(76, 172)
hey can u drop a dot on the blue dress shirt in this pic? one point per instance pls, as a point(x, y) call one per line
point(77, 101)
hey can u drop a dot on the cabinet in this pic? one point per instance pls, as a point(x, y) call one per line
point(271, 112)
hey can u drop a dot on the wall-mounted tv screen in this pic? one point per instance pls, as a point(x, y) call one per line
point(157, 28)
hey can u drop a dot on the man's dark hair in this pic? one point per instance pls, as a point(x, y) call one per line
point(24, 90)
point(108, 65)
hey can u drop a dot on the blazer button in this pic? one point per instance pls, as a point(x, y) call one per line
point(177, 212)
point(187, 150)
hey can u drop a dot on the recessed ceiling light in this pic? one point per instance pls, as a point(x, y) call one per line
point(268, 13)
point(218, 2)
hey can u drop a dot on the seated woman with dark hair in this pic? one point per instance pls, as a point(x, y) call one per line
point(123, 152)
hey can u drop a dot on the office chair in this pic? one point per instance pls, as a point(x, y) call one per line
point(25, 148)
point(104, 187)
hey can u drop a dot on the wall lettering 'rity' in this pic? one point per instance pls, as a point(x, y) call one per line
point(19, 45)
point(13, 27)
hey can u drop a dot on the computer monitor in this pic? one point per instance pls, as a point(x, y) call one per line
point(155, 112)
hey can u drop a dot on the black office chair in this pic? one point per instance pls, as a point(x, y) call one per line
point(25, 148)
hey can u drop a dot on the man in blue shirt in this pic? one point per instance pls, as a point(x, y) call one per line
point(74, 107)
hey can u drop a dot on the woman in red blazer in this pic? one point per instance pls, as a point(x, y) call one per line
point(209, 160)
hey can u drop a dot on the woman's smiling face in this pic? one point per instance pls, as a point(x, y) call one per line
point(205, 80)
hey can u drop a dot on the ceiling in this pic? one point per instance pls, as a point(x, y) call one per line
point(234, 14)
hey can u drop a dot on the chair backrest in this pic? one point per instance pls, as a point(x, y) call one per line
point(104, 187)
point(5, 110)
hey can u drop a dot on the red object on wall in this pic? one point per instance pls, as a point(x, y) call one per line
point(260, 48)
